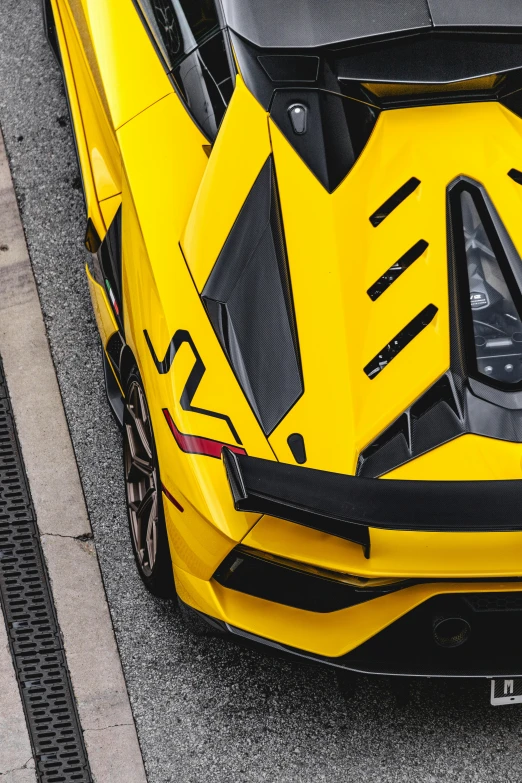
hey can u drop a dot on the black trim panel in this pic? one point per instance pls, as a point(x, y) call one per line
point(312, 23)
point(476, 13)
point(431, 59)
point(92, 240)
point(336, 130)
point(436, 418)
point(114, 396)
point(50, 30)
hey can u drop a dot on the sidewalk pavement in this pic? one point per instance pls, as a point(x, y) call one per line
point(92, 655)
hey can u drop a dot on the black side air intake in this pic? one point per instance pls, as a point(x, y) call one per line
point(249, 302)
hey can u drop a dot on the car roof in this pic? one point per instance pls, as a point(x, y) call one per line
point(313, 23)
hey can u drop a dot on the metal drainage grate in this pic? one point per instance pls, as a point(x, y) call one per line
point(32, 626)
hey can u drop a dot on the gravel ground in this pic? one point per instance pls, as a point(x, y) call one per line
point(206, 710)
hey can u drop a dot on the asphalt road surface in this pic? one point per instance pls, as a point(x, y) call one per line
point(206, 710)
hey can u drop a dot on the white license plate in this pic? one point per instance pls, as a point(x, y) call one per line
point(506, 692)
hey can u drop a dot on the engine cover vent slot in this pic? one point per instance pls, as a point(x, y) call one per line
point(395, 271)
point(400, 341)
point(515, 175)
point(394, 201)
point(297, 447)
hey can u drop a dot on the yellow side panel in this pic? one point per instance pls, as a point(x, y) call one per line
point(395, 553)
point(331, 633)
point(195, 545)
point(163, 155)
point(164, 161)
point(93, 210)
point(163, 311)
point(241, 149)
point(127, 71)
point(102, 311)
point(108, 208)
point(101, 143)
point(468, 458)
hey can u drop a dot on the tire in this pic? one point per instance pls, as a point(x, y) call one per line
point(148, 531)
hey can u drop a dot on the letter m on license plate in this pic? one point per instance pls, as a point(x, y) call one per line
point(506, 691)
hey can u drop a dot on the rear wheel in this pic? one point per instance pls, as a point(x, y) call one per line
point(143, 489)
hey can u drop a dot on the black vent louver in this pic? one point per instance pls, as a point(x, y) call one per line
point(400, 341)
point(395, 271)
point(434, 419)
point(249, 303)
point(394, 201)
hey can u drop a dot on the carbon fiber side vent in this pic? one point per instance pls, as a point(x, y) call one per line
point(249, 303)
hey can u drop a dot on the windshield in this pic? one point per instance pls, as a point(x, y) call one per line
point(310, 23)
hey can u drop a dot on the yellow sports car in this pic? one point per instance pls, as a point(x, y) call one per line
point(306, 236)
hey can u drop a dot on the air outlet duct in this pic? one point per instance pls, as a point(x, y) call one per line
point(248, 299)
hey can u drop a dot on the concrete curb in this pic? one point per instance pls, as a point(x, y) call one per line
point(92, 655)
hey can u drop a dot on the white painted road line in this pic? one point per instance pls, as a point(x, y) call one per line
point(92, 655)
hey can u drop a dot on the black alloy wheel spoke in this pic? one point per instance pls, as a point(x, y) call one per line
point(139, 429)
point(144, 467)
point(151, 534)
point(141, 479)
point(147, 501)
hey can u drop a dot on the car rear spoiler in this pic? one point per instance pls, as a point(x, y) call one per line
point(348, 506)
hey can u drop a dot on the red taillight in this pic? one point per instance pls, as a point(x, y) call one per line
point(194, 444)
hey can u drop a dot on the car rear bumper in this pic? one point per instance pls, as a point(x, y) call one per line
point(392, 634)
